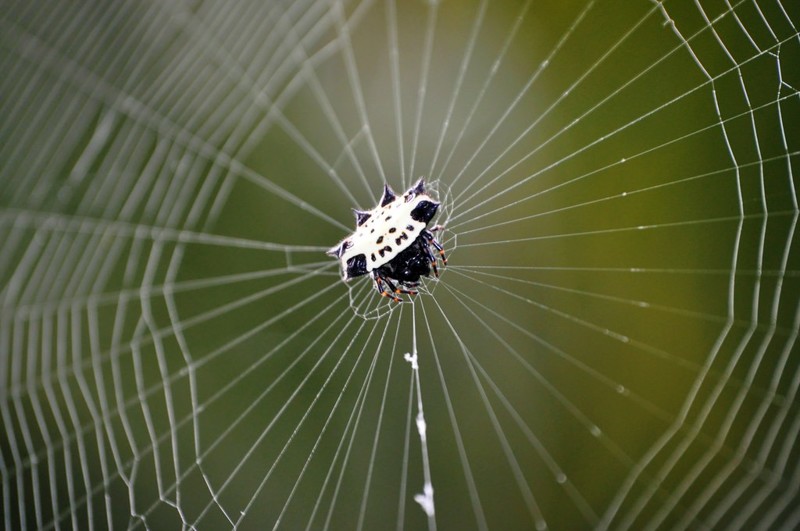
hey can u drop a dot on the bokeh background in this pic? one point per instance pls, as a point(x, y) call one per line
point(613, 340)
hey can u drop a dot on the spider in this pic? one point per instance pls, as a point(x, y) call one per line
point(392, 243)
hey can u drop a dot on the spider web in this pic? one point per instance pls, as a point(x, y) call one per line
point(613, 342)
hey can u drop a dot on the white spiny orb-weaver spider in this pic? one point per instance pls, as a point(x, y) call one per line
point(392, 242)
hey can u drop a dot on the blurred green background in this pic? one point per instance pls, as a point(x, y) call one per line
point(612, 343)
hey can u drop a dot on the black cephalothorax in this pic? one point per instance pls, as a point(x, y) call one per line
point(411, 263)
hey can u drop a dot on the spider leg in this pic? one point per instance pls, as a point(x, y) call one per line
point(432, 241)
point(379, 285)
point(432, 260)
point(397, 289)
